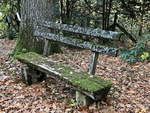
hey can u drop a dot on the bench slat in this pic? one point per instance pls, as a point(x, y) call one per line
point(78, 43)
point(81, 30)
point(90, 85)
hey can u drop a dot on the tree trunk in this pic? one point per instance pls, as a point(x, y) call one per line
point(32, 11)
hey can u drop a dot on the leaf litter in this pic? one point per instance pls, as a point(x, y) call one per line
point(129, 94)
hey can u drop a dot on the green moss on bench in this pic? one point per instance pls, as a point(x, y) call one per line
point(30, 57)
point(81, 80)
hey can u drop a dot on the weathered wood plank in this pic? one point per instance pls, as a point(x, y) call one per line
point(31, 75)
point(78, 43)
point(46, 49)
point(93, 63)
point(92, 86)
point(82, 99)
point(81, 30)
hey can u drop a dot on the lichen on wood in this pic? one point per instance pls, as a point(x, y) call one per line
point(77, 43)
point(81, 30)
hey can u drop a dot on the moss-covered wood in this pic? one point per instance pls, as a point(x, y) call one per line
point(78, 43)
point(90, 85)
point(81, 30)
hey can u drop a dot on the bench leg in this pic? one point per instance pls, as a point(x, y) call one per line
point(93, 63)
point(46, 50)
point(83, 100)
point(30, 75)
point(26, 76)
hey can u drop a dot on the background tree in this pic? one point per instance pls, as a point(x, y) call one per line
point(32, 11)
point(9, 23)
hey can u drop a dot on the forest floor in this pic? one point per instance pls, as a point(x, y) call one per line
point(129, 94)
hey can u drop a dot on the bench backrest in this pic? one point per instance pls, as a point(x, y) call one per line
point(81, 30)
point(95, 47)
point(98, 33)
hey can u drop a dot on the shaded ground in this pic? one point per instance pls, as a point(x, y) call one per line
point(6, 46)
point(130, 93)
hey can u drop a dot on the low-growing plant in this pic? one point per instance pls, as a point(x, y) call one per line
point(140, 52)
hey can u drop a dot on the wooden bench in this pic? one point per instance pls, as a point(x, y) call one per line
point(89, 87)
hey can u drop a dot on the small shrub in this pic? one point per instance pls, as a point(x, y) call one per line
point(139, 53)
point(145, 56)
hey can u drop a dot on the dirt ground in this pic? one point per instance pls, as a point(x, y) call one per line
point(6, 46)
point(130, 92)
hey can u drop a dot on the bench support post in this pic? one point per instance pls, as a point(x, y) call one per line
point(30, 75)
point(82, 99)
point(46, 50)
point(93, 63)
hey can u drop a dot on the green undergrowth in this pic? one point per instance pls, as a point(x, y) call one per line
point(140, 53)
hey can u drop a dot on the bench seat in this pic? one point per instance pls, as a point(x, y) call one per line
point(90, 85)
